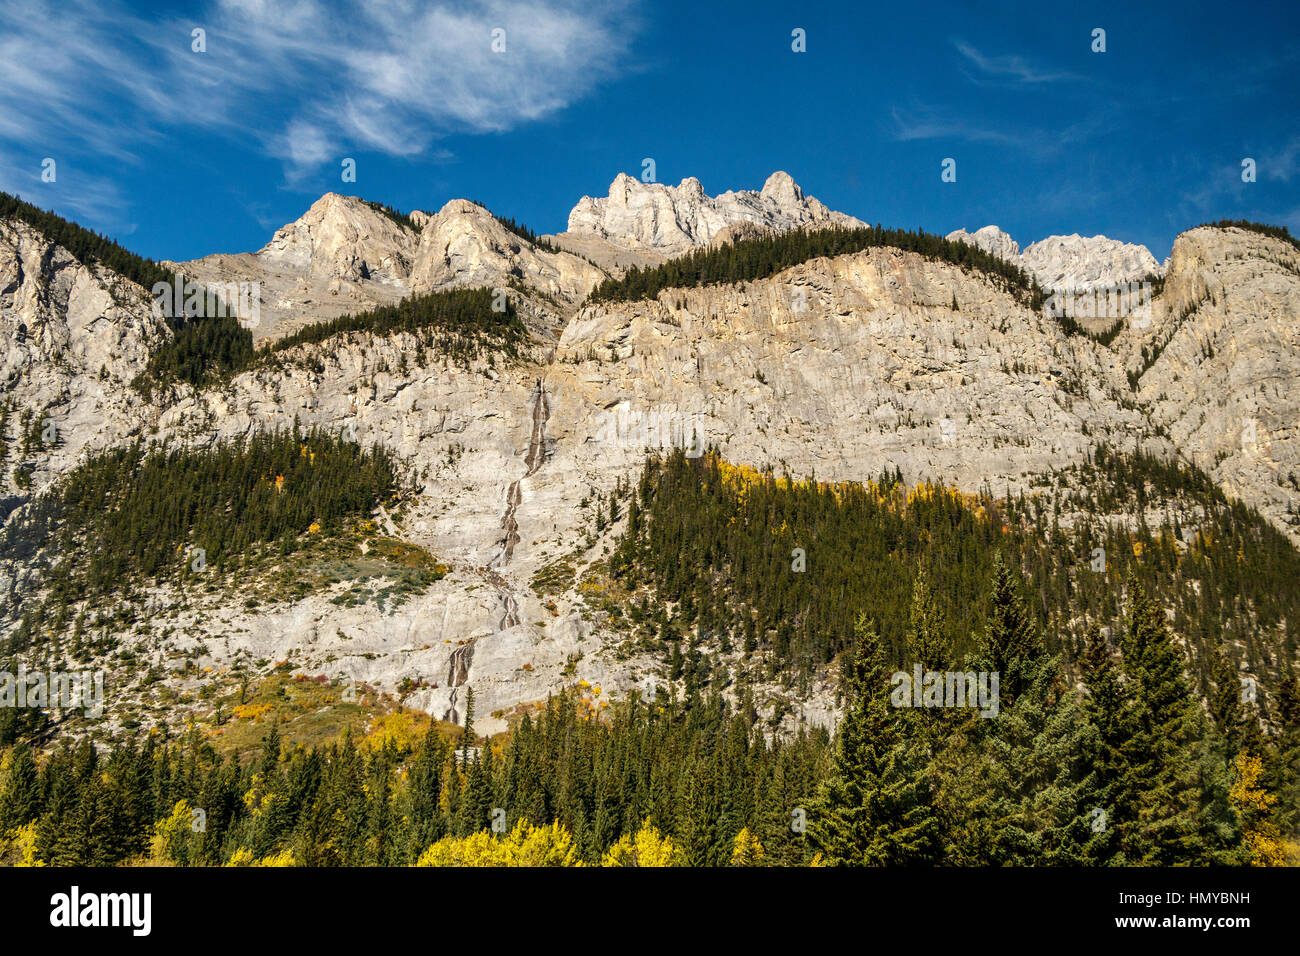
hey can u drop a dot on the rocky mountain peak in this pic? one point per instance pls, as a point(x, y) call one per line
point(1068, 262)
point(782, 189)
point(346, 255)
point(340, 236)
point(459, 207)
point(1076, 261)
point(671, 220)
point(991, 239)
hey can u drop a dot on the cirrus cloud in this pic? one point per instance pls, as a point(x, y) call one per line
point(306, 79)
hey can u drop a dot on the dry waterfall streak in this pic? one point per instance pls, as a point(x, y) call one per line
point(461, 657)
point(533, 461)
point(457, 674)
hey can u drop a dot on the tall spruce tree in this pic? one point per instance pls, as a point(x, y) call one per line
point(1110, 789)
point(1011, 783)
point(875, 809)
point(1161, 757)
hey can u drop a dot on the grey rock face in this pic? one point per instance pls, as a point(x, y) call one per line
point(671, 220)
point(344, 256)
point(842, 366)
point(1081, 262)
point(1225, 380)
point(71, 341)
point(991, 239)
point(1068, 263)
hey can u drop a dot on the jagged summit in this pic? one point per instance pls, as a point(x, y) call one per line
point(1076, 261)
point(991, 239)
point(1068, 262)
point(345, 254)
point(341, 236)
point(671, 220)
point(782, 189)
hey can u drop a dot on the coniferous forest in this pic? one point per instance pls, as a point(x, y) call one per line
point(142, 513)
point(757, 258)
point(88, 248)
point(463, 323)
point(1111, 747)
point(1131, 772)
point(717, 541)
point(460, 324)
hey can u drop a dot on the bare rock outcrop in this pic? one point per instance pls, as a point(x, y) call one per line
point(991, 239)
point(672, 220)
point(1084, 262)
point(345, 255)
point(72, 339)
point(1068, 263)
point(1218, 366)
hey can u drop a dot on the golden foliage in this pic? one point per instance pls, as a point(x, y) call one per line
point(244, 857)
point(525, 845)
point(404, 729)
point(648, 848)
point(172, 843)
point(747, 851)
point(1253, 805)
point(250, 711)
point(23, 841)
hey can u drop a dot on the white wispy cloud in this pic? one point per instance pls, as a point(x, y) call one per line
point(922, 122)
point(1283, 162)
point(308, 81)
point(1010, 67)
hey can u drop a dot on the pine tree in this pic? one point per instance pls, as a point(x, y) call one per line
point(1110, 789)
point(1010, 784)
point(1161, 756)
point(20, 793)
point(1011, 643)
point(875, 808)
point(1225, 704)
point(1283, 763)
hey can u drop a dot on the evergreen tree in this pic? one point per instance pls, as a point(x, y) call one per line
point(875, 808)
point(1161, 752)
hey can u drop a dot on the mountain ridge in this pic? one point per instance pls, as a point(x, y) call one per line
point(895, 361)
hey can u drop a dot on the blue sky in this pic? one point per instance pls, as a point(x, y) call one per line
point(178, 153)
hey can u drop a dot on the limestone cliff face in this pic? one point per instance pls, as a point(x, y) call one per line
point(1070, 262)
point(71, 340)
point(844, 367)
point(1223, 375)
point(671, 220)
point(345, 256)
point(852, 365)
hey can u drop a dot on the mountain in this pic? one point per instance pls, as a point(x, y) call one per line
point(346, 255)
point(843, 367)
point(772, 468)
point(670, 220)
point(991, 239)
point(1082, 262)
point(1070, 262)
point(1216, 367)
